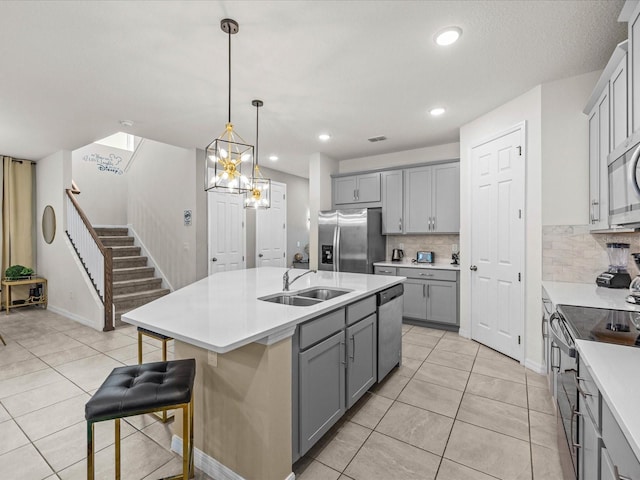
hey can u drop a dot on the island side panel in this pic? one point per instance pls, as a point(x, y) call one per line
point(242, 415)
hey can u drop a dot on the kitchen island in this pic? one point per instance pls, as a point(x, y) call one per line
point(243, 349)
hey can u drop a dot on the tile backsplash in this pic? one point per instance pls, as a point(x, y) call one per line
point(440, 245)
point(571, 254)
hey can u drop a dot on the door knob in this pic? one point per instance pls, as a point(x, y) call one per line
point(260, 255)
point(214, 259)
point(473, 268)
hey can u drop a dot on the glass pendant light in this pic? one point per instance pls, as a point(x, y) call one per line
point(229, 158)
point(260, 194)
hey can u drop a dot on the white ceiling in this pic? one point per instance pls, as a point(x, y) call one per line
point(69, 71)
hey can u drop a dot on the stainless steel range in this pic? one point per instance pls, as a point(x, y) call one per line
point(566, 325)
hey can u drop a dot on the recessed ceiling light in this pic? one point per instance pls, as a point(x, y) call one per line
point(324, 137)
point(448, 35)
point(273, 158)
point(436, 111)
point(126, 123)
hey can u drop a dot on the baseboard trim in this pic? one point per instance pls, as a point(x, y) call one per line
point(463, 332)
point(210, 465)
point(74, 317)
point(537, 367)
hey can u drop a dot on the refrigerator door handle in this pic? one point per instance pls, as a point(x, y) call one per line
point(336, 250)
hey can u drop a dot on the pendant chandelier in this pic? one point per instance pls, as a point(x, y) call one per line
point(229, 159)
point(260, 194)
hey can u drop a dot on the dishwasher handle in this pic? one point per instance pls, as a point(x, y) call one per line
point(390, 294)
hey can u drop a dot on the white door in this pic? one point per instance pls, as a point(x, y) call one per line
point(497, 242)
point(226, 232)
point(271, 229)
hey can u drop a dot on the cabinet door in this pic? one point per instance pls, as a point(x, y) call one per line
point(368, 188)
point(599, 147)
point(392, 202)
point(322, 389)
point(589, 450)
point(634, 68)
point(415, 299)
point(618, 102)
point(417, 200)
point(446, 198)
point(384, 270)
point(361, 358)
point(344, 190)
point(442, 305)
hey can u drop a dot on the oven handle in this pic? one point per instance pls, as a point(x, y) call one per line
point(558, 337)
point(555, 367)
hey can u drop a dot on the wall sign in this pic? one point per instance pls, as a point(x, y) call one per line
point(187, 218)
point(110, 164)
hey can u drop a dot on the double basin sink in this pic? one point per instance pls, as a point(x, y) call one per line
point(305, 298)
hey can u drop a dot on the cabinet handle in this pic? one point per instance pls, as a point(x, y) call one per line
point(354, 195)
point(400, 224)
point(343, 355)
point(582, 392)
point(434, 224)
point(428, 290)
point(357, 194)
point(574, 413)
point(617, 474)
point(353, 349)
point(555, 367)
point(424, 290)
point(594, 219)
point(426, 274)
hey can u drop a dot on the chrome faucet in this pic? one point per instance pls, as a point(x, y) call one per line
point(285, 278)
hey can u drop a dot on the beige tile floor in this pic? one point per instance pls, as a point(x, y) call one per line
point(455, 410)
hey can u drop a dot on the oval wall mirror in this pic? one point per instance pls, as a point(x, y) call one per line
point(48, 224)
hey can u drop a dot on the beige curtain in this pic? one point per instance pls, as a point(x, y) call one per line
point(18, 202)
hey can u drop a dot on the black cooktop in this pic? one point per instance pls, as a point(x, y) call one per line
point(603, 325)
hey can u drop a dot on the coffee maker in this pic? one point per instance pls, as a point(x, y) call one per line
point(617, 275)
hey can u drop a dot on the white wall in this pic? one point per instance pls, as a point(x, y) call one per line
point(565, 150)
point(527, 108)
point(70, 291)
point(104, 191)
point(161, 187)
point(446, 151)
point(321, 167)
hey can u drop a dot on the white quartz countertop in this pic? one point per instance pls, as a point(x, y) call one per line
point(222, 312)
point(588, 295)
point(615, 371)
point(407, 263)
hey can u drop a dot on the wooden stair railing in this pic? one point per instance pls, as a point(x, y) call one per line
point(96, 258)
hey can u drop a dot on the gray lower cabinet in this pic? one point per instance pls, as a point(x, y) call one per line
point(589, 445)
point(377, 270)
point(361, 358)
point(322, 389)
point(430, 295)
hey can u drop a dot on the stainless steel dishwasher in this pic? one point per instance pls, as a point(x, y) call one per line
point(389, 329)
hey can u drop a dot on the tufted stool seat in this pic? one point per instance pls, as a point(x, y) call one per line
point(138, 389)
point(163, 339)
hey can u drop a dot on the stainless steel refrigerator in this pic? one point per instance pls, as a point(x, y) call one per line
point(350, 240)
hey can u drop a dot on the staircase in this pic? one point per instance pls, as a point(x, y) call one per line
point(134, 283)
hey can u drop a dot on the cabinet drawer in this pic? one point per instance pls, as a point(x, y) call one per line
point(427, 274)
point(361, 309)
point(320, 328)
point(589, 392)
point(617, 446)
point(384, 270)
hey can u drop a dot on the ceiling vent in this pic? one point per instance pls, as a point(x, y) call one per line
point(379, 138)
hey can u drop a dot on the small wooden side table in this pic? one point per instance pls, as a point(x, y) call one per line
point(41, 300)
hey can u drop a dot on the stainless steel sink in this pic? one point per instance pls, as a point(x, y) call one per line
point(288, 299)
point(322, 293)
point(305, 298)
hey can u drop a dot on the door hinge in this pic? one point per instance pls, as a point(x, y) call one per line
point(284, 225)
point(519, 213)
point(519, 277)
point(284, 254)
point(242, 224)
point(243, 258)
point(518, 339)
point(284, 196)
point(519, 150)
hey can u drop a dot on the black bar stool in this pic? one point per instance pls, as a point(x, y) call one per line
point(164, 339)
point(138, 389)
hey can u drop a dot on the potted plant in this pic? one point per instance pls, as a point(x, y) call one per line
point(18, 272)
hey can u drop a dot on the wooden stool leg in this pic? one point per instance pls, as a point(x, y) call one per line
point(90, 455)
point(185, 442)
point(2, 340)
point(117, 432)
point(139, 347)
point(192, 470)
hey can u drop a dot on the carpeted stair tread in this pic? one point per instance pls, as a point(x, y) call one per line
point(116, 240)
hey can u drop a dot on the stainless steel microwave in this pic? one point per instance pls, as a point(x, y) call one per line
point(624, 188)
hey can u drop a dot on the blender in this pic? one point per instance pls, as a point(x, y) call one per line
point(616, 276)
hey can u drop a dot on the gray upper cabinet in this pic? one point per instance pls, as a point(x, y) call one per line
point(357, 189)
point(599, 147)
point(392, 210)
point(634, 69)
point(618, 103)
point(432, 199)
